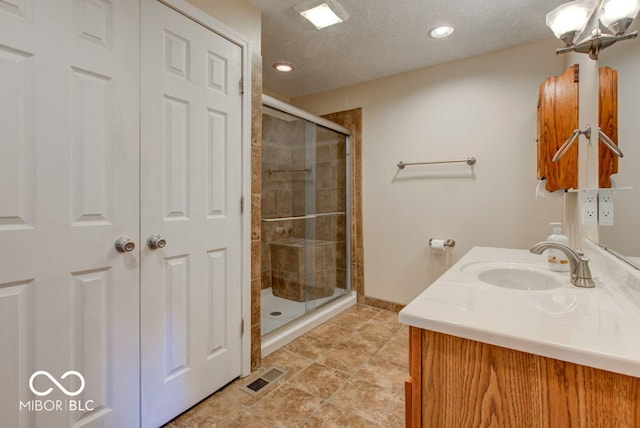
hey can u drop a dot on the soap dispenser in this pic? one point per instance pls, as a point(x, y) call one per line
point(558, 260)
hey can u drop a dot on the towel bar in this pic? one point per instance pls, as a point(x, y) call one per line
point(469, 161)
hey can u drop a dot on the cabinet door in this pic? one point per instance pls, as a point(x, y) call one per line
point(191, 191)
point(68, 190)
point(557, 119)
point(608, 118)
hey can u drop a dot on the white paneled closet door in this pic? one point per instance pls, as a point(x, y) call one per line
point(191, 145)
point(69, 179)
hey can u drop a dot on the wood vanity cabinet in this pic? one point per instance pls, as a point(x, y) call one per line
point(457, 382)
point(558, 118)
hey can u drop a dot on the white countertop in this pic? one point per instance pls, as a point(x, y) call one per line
point(597, 327)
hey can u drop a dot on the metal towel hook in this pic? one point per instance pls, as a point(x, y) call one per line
point(608, 142)
point(574, 136)
point(587, 133)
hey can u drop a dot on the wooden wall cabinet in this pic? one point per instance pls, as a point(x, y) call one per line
point(456, 382)
point(558, 118)
point(608, 122)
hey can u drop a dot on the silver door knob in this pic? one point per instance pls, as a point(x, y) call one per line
point(156, 241)
point(125, 245)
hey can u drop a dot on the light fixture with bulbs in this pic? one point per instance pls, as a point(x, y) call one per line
point(586, 26)
point(322, 13)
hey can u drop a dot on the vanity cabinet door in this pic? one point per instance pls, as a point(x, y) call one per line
point(458, 382)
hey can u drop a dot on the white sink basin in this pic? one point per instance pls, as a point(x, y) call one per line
point(514, 275)
point(596, 327)
point(519, 279)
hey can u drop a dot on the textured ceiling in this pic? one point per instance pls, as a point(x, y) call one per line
point(387, 37)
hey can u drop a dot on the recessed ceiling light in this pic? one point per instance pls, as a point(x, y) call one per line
point(283, 66)
point(322, 13)
point(441, 32)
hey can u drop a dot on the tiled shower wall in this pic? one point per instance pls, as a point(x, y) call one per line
point(352, 120)
point(256, 185)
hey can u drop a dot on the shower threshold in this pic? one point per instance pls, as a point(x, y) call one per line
point(293, 322)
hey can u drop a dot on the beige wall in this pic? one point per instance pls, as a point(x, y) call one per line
point(237, 14)
point(483, 107)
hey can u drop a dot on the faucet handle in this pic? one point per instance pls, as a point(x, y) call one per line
point(583, 282)
point(582, 275)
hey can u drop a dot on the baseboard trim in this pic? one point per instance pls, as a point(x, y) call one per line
point(380, 304)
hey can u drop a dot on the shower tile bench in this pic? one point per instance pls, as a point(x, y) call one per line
point(303, 269)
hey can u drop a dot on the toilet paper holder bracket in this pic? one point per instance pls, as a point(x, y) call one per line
point(447, 243)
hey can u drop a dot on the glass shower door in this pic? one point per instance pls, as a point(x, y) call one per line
point(325, 209)
point(304, 217)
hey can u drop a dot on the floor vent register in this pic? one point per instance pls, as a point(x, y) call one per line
point(267, 378)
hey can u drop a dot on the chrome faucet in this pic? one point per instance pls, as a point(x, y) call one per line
point(578, 263)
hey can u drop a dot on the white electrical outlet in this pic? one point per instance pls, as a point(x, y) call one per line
point(605, 207)
point(589, 206)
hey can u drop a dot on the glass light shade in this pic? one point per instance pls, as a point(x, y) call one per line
point(615, 11)
point(283, 66)
point(321, 16)
point(568, 18)
point(441, 32)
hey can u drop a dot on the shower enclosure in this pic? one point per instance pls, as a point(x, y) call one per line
point(305, 214)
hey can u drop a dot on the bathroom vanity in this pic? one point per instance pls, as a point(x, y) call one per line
point(499, 340)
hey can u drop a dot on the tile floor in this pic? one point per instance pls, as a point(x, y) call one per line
point(348, 372)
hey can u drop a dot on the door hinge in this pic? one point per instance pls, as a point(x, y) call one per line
point(241, 83)
point(241, 204)
point(242, 327)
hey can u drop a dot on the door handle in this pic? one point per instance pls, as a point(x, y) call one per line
point(156, 242)
point(125, 245)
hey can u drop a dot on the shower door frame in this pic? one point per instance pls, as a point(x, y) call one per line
point(319, 121)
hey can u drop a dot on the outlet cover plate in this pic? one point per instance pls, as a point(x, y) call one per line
point(589, 206)
point(605, 207)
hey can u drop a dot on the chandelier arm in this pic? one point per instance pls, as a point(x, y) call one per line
point(629, 36)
